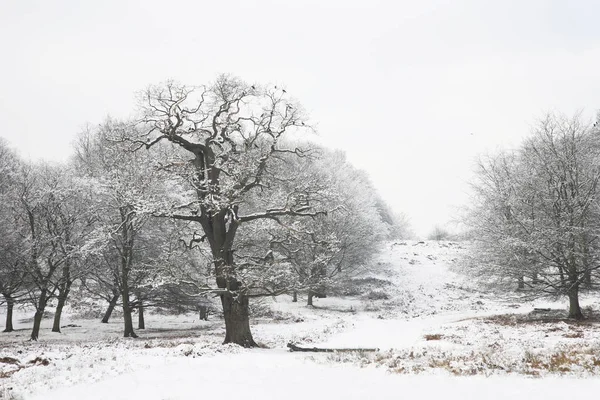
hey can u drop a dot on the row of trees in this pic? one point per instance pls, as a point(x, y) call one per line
point(536, 214)
point(212, 191)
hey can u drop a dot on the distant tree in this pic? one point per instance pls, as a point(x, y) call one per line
point(72, 223)
point(503, 216)
point(398, 223)
point(536, 213)
point(327, 248)
point(53, 226)
point(439, 233)
point(12, 255)
point(127, 187)
point(563, 156)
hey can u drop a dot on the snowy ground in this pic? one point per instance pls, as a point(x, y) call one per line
point(437, 337)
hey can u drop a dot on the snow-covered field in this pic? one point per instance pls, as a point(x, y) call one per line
point(437, 335)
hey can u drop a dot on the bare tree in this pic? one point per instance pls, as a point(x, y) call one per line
point(12, 255)
point(328, 248)
point(235, 135)
point(438, 233)
point(563, 155)
point(53, 227)
point(503, 217)
point(125, 188)
point(537, 212)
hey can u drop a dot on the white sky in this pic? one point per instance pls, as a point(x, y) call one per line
point(413, 91)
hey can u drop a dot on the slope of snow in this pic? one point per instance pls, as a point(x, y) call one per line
point(274, 374)
point(433, 325)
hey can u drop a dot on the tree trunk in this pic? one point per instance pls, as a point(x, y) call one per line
point(203, 309)
point(237, 320)
point(128, 320)
point(521, 282)
point(127, 234)
point(10, 302)
point(561, 271)
point(57, 314)
point(235, 303)
point(62, 299)
point(309, 302)
point(111, 306)
point(295, 297)
point(587, 272)
point(141, 323)
point(574, 308)
point(587, 278)
point(39, 313)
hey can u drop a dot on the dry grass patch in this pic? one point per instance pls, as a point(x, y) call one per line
point(566, 360)
point(545, 316)
point(574, 335)
point(563, 361)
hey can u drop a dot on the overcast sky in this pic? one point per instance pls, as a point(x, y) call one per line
point(411, 90)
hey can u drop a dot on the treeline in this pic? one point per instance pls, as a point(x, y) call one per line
point(536, 211)
point(211, 192)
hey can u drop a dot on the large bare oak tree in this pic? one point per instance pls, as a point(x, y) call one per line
point(233, 137)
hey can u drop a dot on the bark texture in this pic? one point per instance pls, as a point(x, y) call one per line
point(111, 306)
point(141, 321)
point(237, 320)
point(574, 307)
point(39, 313)
point(63, 293)
point(127, 243)
point(10, 302)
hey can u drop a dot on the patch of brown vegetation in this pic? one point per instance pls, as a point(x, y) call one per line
point(544, 316)
point(40, 361)
point(435, 336)
point(9, 360)
point(574, 335)
point(13, 361)
point(562, 362)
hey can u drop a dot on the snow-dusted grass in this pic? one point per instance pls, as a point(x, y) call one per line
point(483, 346)
point(453, 328)
point(432, 327)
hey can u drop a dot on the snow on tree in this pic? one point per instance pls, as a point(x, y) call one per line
point(231, 135)
point(53, 225)
point(323, 250)
point(536, 214)
point(128, 190)
point(12, 274)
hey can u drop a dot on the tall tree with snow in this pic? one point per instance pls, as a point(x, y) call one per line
point(537, 214)
point(231, 135)
point(325, 249)
point(53, 223)
point(126, 188)
point(12, 247)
